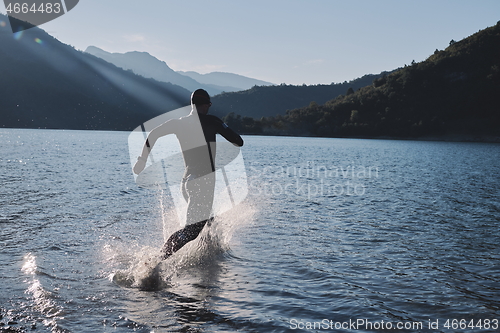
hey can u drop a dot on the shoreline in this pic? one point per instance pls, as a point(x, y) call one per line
point(436, 138)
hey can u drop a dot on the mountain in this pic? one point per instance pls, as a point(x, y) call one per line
point(144, 64)
point(47, 84)
point(454, 94)
point(228, 81)
point(266, 101)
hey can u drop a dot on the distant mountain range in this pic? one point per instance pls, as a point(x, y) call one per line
point(228, 81)
point(142, 63)
point(47, 84)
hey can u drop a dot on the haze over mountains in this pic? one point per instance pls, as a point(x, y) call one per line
point(142, 63)
point(47, 84)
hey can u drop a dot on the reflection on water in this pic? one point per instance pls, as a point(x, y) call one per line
point(417, 241)
point(43, 300)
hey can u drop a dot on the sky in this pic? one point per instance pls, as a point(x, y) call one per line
point(279, 41)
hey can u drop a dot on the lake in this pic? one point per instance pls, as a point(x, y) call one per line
point(334, 235)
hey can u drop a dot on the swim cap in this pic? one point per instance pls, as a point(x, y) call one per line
point(200, 96)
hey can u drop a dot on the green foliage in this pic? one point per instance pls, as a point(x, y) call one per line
point(241, 124)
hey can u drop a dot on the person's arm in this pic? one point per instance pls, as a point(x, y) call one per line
point(229, 134)
point(166, 128)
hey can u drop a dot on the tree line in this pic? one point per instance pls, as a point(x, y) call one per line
point(455, 91)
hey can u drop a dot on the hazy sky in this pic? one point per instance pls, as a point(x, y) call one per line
point(281, 41)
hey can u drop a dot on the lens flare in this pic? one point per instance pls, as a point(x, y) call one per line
point(39, 41)
point(18, 35)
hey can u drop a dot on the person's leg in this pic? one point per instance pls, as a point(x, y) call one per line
point(181, 238)
point(200, 194)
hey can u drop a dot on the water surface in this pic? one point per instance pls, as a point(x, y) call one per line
point(332, 231)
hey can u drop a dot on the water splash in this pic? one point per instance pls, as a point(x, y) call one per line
point(143, 273)
point(144, 268)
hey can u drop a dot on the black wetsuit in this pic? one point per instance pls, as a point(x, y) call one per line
point(212, 125)
point(198, 166)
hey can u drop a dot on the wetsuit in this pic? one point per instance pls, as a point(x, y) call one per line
point(198, 182)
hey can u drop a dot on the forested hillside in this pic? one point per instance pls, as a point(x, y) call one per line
point(455, 91)
point(265, 101)
point(47, 84)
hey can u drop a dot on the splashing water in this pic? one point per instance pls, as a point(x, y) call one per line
point(145, 270)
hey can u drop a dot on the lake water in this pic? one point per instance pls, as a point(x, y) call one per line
point(334, 235)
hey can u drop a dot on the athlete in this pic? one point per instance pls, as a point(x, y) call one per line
point(196, 133)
